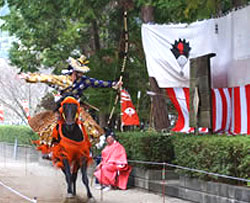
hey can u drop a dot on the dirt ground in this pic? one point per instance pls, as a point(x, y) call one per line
point(48, 185)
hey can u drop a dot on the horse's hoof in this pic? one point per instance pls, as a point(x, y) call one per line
point(70, 195)
point(91, 200)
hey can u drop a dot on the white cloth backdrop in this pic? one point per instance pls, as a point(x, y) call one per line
point(227, 36)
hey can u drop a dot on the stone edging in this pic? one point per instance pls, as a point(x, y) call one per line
point(188, 188)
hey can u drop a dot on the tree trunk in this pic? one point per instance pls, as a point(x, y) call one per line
point(237, 3)
point(218, 7)
point(160, 114)
point(147, 14)
point(95, 41)
point(159, 111)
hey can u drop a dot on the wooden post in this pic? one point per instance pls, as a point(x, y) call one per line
point(200, 114)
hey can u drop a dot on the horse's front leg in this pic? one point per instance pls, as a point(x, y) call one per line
point(67, 173)
point(74, 177)
point(85, 177)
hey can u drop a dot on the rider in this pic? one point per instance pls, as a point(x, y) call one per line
point(73, 83)
point(81, 81)
point(77, 69)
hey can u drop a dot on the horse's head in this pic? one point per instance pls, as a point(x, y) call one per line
point(70, 109)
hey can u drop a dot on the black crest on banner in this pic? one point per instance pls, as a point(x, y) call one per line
point(181, 50)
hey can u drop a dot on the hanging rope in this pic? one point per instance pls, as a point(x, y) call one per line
point(125, 58)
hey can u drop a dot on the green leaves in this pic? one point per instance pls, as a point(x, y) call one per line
point(25, 135)
point(147, 146)
point(221, 154)
point(48, 32)
point(218, 154)
point(2, 2)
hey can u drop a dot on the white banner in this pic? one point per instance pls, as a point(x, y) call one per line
point(168, 49)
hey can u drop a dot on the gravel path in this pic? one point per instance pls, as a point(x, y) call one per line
point(48, 185)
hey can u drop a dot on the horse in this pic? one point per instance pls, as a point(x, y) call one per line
point(71, 146)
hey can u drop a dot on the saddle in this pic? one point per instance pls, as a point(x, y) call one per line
point(43, 123)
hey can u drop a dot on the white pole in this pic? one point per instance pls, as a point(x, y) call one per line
point(15, 149)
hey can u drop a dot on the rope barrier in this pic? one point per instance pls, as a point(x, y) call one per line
point(191, 169)
point(18, 193)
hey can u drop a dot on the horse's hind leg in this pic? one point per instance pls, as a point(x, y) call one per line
point(85, 178)
point(68, 176)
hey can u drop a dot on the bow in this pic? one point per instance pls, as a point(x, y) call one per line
point(125, 58)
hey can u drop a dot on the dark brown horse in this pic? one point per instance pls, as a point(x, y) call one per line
point(71, 146)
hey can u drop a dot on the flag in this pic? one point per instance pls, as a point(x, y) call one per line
point(26, 108)
point(169, 48)
point(128, 112)
point(1, 113)
point(57, 96)
point(231, 109)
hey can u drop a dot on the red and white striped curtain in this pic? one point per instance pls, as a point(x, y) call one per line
point(230, 109)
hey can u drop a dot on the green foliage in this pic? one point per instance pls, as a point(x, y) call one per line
point(187, 10)
point(220, 154)
point(24, 135)
point(2, 2)
point(103, 67)
point(214, 153)
point(147, 146)
point(48, 32)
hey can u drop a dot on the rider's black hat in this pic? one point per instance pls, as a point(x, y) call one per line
point(109, 132)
